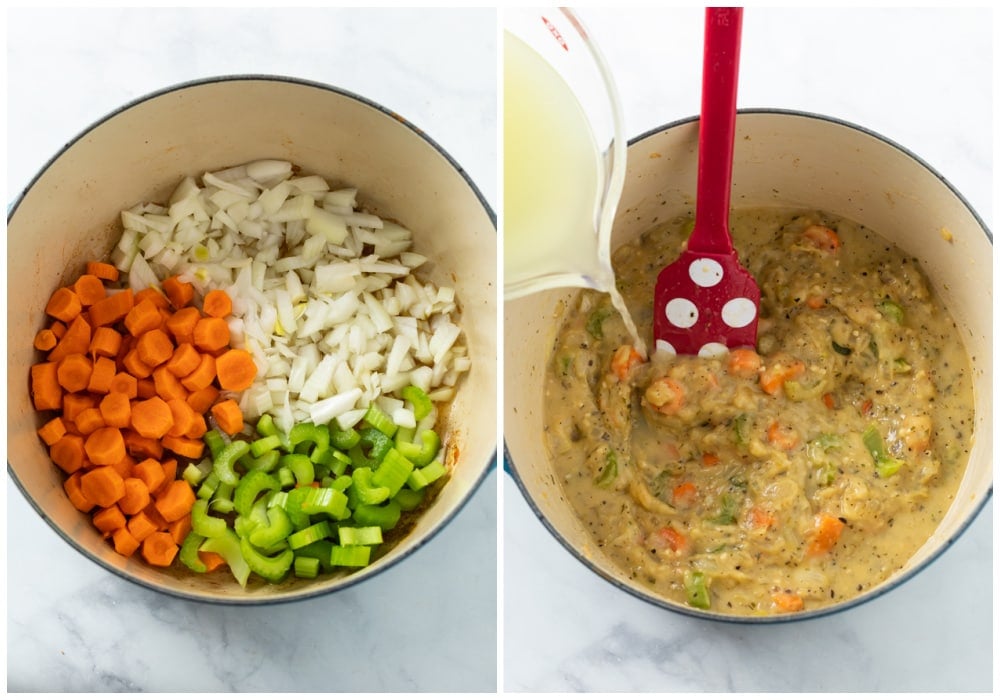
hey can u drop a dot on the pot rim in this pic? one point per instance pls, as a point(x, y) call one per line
point(335, 585)
point(511, 468)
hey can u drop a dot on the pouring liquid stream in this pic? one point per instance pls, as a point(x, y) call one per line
point(552, 197)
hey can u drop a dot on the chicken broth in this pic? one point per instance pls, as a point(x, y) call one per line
point(787, 477)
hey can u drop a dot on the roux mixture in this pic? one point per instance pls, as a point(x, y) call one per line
point(784, 478)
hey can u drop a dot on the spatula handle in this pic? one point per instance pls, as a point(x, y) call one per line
point(723, 29)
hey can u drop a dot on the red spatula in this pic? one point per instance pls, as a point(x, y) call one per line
point(706, 302)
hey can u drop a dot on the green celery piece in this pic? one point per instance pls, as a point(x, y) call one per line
point(385, 516)
point(404, 434)
point(363, 490)
point(227, 545)
point(265, 462)
point(224, 463)
point(306, 567)
point(214, 441)
point(367, 535)
point(422, 404)
point(421, 454)
point(885, 464)
point(251, 485)
point(285, 477)
point(371, 448)
point(423, 476)
point(326, 500)
point(278, 527)
point(741, 429)
point(222, 505)
point(293, 507)
point(355, 556)
point(407, 498)
point(204, 524)
point(188, 554)
point(609, 472)
point(261, 446)
point(727, 510)
point(696, 588)
point(891, 310)
point(393, 471)
point(301, 466)
point(243, 525)
point(317, 550)
point(193, 475)
point(797, 391)
point(318, 436)
point(341, 483)
point(595, 322)
point(270, 568)
point(313, 533)
point(380, 421)
point(344, 439)
point(208, 486)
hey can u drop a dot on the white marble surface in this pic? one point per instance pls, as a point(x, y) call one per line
point(923, 79)
point(72, 626)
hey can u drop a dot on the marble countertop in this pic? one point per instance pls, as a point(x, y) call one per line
point(923, 79)
point(71, 625)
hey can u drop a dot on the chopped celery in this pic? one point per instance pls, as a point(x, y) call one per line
point(264, 445)
point(278, 527)
point(609, 472)
point(225, 461)
point(265, 462)
point(306, 567)
point(227, 545)
point(595, 322)
point(891, 310)
point(301, 466)
point(344, 439)
point(285, 477)
point(741, 429)
point(380, 421)
point(371, 448)
point(341, 483)
point(188, 555)
point(422, 404)
point(371, 534)
point(355, 556)
point(325, 500)
point(317, 436)
point(203, 523)
point(208, 486)
point(727, 510)
point(215, 442)
point(393, 471)
point(250, 487)
point(193, 474)
point(696, 588)
point(271, 568)
point(421, 454)
point(885, 464)
point(313, 533)
point(423, 476)
point(363, 490)
point(408, 499)
point(385, 516)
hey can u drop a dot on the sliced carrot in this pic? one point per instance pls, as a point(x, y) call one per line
point(74, 372)
point(144, 316)
point(788, 601)
point(825, 535)
point(124, 466)
point(150, 471)
point(72, 487)
point(685, 494)
point(759, 519)
point(211, 334)
point(201, 377)
point(89, 289)
point(113, 308)
point(228, 416)
point(154, 515)
point(52, 431)
point(68, 453)
point(623, 360)
point(666, 395)
point(108, 519)
point(203, 399)
point(124, 383)
point(151, 418)
point(89, 420)
point(146, 388)
point(72, 404)
point(102, 376)
point(159, 549)
point(184, 446)
point(140, 526)
point(105, 341)
point(105, 446)
point(154, 296)
point(167, 385)
point(45, 340)
point(135, 366)
point(76, 340)
point(154, 347)
point(778, 371)
point(58, 329)
point(139, 446)
point(102, 485)
point(743, 362)
point(136, 496)
point(211, 560)
point(46, 393)
point(815, 301)
point(198, 427)
point(64, 305)
point(184, 360)
point(217, 304)
point(830, 401)
point(176, 500)
point(709, 459)
point(181, 324)
point(183, 417)
point(823, 238)
point(674, 539)
point(125, 542)
point(782, 436)
point(180, 528)
point(236, 370)
point(102, 270)
point(179, 293)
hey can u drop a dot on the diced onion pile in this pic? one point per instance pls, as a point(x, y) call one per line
point(324, 295)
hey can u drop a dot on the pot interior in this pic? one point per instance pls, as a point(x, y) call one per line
point(788, 160)
point(69, 214)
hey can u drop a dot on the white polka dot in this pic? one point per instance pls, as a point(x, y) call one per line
point(712, 350)
point(705, 272)
point(665, 347)
point(681, 312)
point(739, 312)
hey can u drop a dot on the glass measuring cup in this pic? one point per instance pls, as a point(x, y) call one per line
point(564, 154)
